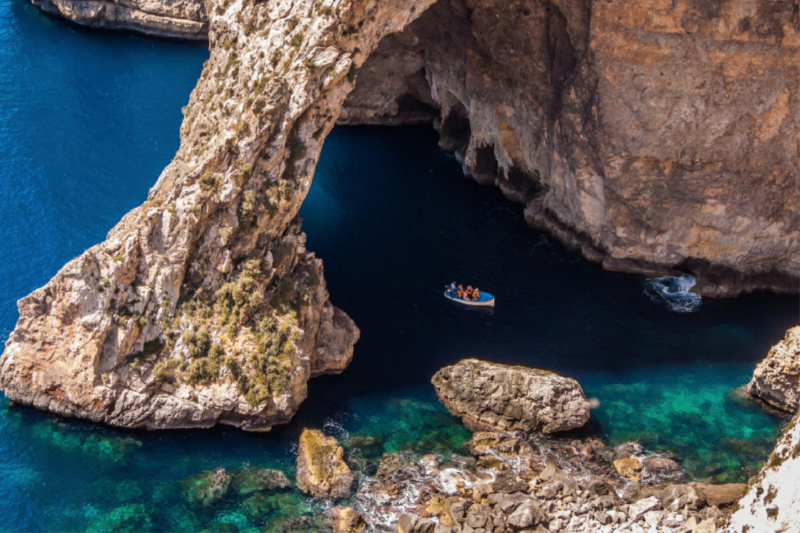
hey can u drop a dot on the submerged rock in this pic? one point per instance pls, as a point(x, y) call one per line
point(776, 379)
point(250, 480)
point(208, 488)
point(321, 469)
point(497, 397)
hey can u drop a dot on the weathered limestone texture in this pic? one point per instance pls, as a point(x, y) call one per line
point(776, 379)
point(772, 501)
point(203, 305)
point(321, 469)
point(655, 137)
point(496, 397)
point(181, 19)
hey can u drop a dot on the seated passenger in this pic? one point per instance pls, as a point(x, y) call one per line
point(469, 293)
point(476, 294)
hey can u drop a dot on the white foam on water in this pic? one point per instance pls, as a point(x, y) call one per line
point(675, 291)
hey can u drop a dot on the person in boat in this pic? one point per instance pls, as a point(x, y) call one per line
point(468, 294)
point(476, 294)
point(460, 292)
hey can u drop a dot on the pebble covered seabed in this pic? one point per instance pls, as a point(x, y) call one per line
point(89, 119)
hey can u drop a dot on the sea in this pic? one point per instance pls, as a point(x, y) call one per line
point(88, 119)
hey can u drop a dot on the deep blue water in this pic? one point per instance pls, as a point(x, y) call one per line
point(87, 122)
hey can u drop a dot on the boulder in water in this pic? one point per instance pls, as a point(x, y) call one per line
point(496, 397)
point(628, 468)
point(321, 469)
point(776, 379)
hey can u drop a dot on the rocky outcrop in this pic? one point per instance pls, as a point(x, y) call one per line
point(776, 379)
point(772, 501)
point(203, 305)
point(321, 469)
point(654, 137)
point(346, 520)
point(532, 484)
point(492, 396)
point(180, 19)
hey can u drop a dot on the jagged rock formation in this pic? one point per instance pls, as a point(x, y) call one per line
point(516, 484)
point(203, 305)
point(772, 501)
point(497, 397)
point(182, 19)
point(776, 379)
point(655, 137)
point(321, 469)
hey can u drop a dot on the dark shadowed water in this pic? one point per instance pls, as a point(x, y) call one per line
point(87, 122)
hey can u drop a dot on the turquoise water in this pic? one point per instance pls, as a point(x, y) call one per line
point(87, 122)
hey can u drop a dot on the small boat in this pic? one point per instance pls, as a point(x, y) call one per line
point(485, 300)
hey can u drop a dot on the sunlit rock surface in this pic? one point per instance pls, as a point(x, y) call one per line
point(181, 19)
point(321, 469)
point(497, 397)
point(203, 306)
point(776, 379)
point(772, 501)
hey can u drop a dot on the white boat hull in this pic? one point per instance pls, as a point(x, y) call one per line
point(473, 303)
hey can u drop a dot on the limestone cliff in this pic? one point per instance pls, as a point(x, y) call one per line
point(776, 379)
point(655, 137)
point(182, 19)
point(772, 501)
point(203, 305)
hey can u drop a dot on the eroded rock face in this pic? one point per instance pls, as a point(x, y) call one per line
point(182, 19)
point(776, 379)
point(651, 136)
point(203, 306)
point(321, 469)
point(772, 501)
point(496, 397)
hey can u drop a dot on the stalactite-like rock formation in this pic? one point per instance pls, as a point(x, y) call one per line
point(655, 137)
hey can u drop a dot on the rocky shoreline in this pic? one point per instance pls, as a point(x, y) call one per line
point(504, 483)
point(173, 19)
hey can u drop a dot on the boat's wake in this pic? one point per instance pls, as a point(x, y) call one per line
point(675, 292)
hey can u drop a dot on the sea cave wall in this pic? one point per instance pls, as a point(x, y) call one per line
point(655, 137)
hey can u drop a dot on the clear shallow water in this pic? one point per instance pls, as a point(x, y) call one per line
point(87, 122)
